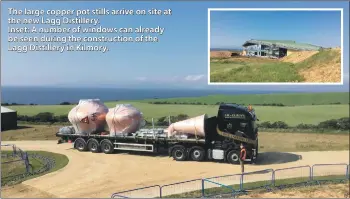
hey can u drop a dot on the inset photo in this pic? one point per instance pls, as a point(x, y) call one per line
point(275, 46)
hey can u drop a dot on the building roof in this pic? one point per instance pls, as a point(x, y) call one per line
point(288, 44)
point(6, 110)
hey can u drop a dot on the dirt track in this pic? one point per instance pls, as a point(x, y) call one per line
point(100, 175)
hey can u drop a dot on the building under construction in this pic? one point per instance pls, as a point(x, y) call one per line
point(274, 48)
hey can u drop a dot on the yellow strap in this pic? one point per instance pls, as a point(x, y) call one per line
point(195, 132)
point(234, 137)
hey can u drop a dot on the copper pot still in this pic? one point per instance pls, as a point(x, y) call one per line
point(88, 116)
point(193, 126)
point(124, 119)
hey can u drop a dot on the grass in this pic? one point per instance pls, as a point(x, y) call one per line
point(320, 59)
point(329, 190)
point(268, 141)
point(266, 70)
point(247, 186)
point(18, 168)
point(310, 114)
point(289, 99)
point(8, 170)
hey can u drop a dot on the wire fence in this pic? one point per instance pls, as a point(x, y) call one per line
point(14, 162)
point(16, 165)
point(237, 184)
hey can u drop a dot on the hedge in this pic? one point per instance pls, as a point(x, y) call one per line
point(333, 124)
point(217, 103)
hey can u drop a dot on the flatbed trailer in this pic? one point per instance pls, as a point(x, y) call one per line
point(217, 144)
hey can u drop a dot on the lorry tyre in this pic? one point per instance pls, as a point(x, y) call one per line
point(107, 146)
point(179, 153)
point(233, 157)
point(197, 153)
point(80, 144)
point(93, 146)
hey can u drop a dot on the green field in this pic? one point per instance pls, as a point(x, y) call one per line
point(233, 71)
point(243, 69)
point(291, 115)
point(287, 99)
point(9, 171)
point(298, 107)
point(227, 190)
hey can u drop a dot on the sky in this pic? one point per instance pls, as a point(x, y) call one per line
point(230, 29)
point(178, 60)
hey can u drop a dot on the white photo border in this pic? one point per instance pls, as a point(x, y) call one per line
point(278, 9)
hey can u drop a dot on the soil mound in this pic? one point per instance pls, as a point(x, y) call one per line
point(298, 56)
point(323, 67)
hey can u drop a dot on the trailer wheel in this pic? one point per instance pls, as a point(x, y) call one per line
point(179, 153)
point(233, 157)
point(197, 153)
point(93, 146)
point(107, 146)
point(80, 144)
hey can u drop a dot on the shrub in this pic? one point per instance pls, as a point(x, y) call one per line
point(181, 117)
point(306, 126)
point(279, 125)
point(44, 117)
point(333, 124)
point(163, 121)
point(266, 125)
point(65, 103)
point(339, 124)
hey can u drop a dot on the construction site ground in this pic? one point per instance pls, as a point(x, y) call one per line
point(301, 66)
point(96, 175)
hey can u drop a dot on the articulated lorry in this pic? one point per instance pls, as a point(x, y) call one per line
point(198, 139)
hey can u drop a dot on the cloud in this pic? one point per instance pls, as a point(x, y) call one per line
point(194, 77)
point(141, 78)
point(169, 79)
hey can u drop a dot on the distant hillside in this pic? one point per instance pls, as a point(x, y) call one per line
point(290, 99)
point(226, 49)
point(224, 54)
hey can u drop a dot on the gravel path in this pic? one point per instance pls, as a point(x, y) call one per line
point(90, 175)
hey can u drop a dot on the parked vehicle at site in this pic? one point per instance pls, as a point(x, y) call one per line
point(199, 138)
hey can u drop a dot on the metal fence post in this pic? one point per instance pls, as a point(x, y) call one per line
point(203, 188)
point(14, 150)
point(26, 161)
point(160, 191)
point(273, 178)
point(241, 183)
point(310, 174)
point(300, 181)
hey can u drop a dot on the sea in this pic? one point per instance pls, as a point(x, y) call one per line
point(54, 95)
point(51, 96)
